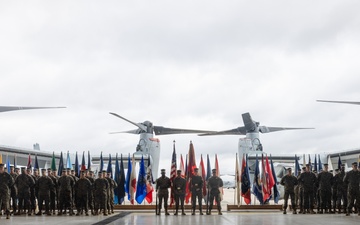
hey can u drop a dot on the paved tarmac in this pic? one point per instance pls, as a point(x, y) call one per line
point(148, 218)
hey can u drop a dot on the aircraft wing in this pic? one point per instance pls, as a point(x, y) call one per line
point(264, 129)
point(13, 108)
point(159, 130)
point(236, 131)
point(345, 102)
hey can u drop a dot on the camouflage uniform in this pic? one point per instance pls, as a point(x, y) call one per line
point(66, 184)
point(341, 190)
point(179, 185)
point(82, 187)
point(6, 182)
point(100, 195)
point(91, 194)
point(110, 199)
point(213, 184)
point(325, 180)
point(14, 193)
point(352, 179)
point(162, 185)
point(289, 182)
point(43, 187)
point(196, 192)
point(308, 181)
point(24, 183)
point(53, 192)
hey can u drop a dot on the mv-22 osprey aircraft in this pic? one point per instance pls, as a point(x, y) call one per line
point(148, 145)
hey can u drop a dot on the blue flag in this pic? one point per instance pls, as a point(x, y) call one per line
point(116, 179)
point(121, 184)
point(89, 161)
point(128, 175)
point(245, 180)
point(8, 164)
point(101, 162)
point(276, 191)
point(320, 164)
point(310, 164)
point(77, 172)
point(339, 162)
point(36, 165)
point(257, 188)
point(208, 168)
point(141, 184)
point(68, 162)
point(315, 164)
point(297, 167)
point(61, 164)
point(109, 167)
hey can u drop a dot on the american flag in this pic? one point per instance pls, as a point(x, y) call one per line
point(172, 175)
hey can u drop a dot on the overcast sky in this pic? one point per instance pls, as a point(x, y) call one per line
point(184, 64)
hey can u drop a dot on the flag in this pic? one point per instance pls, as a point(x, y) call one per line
point(304, 160)
point(8, 164)
point(0, 158)
point(117, 180)
point(221, 189)
point(330, 164)
point(53, 163)
point(128, 176)
point(245, 180)
point(257, 188)
point(190, 171)
point(36, 166)
point(14, 160)
point(101, 162)
point(29, 163)
point(208, 175)
point(237, 180)
point(276, 191)
point(182, 167)
point(133, 181)
point(89, 161)
point(83, 166)
point(68, 162)
point(61, 164)
point(141, 184)
point(109, 167)
point(120, 180)
point(320, 164)
point(203, 175)
point(265, 182)
point(339, 162)
point(310, 163)
point(149, 182)
point(172, 175)
point(315, 164)
point(77, 172)
point(297, 167)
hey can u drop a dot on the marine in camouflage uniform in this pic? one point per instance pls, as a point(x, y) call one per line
point(179, 185)
point(82, 187)
point(299, 193)
point(100, 194)
point(325, 181)
point(6, 182)
point(71, 173)
point(352, 179)
point(308, 181)
point(43, 187)
point(213, 184)
point(163, 183)
point(14, 192)
point(66, 185)
point(91, 178)
point(53, 191)
point(197, 183)
point(289, 182)
point(341, 190)
point(33, 194)
point(24, 183)
point(112, 186)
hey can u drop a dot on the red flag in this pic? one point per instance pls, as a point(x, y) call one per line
point(270, 178)
point(172, 175)
point(182, 167)
point(190, 171)
point(203, 175)
point(133, 181)
point(149, 181)
point(267, 179)
point(29, 163)
point(218, 175)
point(245, 181)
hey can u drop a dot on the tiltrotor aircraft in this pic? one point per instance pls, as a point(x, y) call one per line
point(150, 146)
point(251, 128)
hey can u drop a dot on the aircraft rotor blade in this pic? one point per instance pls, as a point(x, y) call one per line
point(248, 122)
point(345, 102)
point(140, 126)
point(264, 129)
point(14, 108)
point(137, 131)
point(236, 131)
point(164, 130)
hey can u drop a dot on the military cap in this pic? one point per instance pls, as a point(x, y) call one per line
point(288, 169)
point(64, 170)
point(330, 171)
point(17, 168)
point(307, 164)
point(11, 166)
point(1, 164)
point(72, 170)
point(23, 168)
point(325, 164)
point(213, 170)
point(196, 169)
point(49, 169)
point(34, 169)
point(43, 170)
point(303, 168)
point(178, 171)
point(91, 171)
point(354, 163)
point(162, 170)
point(336, 170)
point(99, 172)
point(342, 165)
